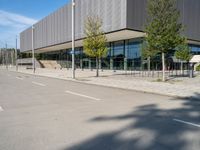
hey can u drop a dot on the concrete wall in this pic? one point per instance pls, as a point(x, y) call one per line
point(28, 62)
point(56, 28)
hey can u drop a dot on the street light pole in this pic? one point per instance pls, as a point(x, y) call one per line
point(73, 38)
point(1, 58)
point(33, 51)
point(16, 61)
point(6, 57)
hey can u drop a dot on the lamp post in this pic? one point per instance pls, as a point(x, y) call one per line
point(0, 57)
point(33, 51)
point(6, 57)
point(73, 38)
point(16, 62)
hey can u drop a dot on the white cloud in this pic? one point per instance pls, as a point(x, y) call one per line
point(11, 24)
point(12, 19)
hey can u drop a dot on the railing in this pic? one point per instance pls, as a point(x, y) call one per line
point(133, 67)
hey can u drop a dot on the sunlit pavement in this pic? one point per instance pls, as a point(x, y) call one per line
point(39, 113)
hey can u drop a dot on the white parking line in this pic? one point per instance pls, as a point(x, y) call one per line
point(81, 95)
point(1, 109)
point(20, 78)
point(188, 123)
point(37, 83)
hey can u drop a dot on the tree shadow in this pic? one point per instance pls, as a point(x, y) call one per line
point(151, 128)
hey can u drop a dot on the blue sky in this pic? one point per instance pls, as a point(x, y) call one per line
point(17, 15)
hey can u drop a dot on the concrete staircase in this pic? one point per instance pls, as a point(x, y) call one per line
point(50, 64)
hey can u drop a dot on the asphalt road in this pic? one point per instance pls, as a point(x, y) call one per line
point(38, 113)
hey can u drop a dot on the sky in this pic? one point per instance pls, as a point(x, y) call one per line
point(17, 15)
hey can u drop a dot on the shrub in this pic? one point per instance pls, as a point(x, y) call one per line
point(198, 68)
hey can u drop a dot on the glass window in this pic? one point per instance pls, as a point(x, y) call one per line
point(133, 54)
point(133, 50)
point(118, 49)
point(195, 49)
point(117, 52)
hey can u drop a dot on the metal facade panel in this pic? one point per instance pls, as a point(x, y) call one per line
point(189, 10)
point(56, 28)
point(136, 14)
point(116, 15)
point(26, 39)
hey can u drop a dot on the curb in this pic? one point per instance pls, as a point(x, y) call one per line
point(108, 86)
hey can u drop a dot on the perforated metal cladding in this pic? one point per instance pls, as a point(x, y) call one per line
point(190, 16)
point(116, 15)
point(189, 11)
point(56, 28)
point(26, 39)
point(136, 14)
point(112, 12)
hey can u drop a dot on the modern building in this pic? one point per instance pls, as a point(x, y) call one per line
point(123, 23)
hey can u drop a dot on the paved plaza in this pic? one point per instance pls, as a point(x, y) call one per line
point(179, 87)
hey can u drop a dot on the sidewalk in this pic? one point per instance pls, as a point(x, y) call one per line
point(179, 87)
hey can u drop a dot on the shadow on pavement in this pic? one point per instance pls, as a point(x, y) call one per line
point(151, 128)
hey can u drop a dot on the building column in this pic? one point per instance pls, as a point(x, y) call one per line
point(111, 56)
point(125, 64)
point(90, 65)
point(81, 64)
point(125, 56)
point(111, 63)
point(133, 64)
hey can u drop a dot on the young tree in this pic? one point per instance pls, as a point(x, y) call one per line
point(163, 29)
point(95, 43)
point(183, 53)
point(148, 53)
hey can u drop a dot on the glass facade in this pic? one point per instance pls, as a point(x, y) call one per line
point(118, 54)
point(195, 49)
point(133, 55)
point(122, 55)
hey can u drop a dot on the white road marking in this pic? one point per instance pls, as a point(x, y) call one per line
point(81, 95)
point(37, 83)
point(188, 123)
point(1, 109)
point(20, 78)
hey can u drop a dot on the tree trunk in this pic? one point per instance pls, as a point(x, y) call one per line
point(163, 67)
point(97, 67)
point(181, 67)
point(149, 65)
point(100, 62)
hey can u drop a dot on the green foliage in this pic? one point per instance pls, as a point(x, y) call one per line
point(146, 51)
point(198, 68)
point(183, 52)
point(95, 43)
point(163, 29)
